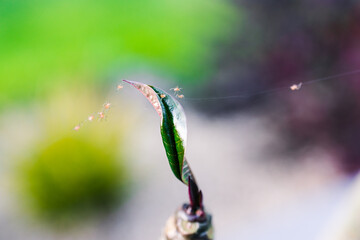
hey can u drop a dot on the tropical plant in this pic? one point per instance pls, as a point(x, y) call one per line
point(190, 221)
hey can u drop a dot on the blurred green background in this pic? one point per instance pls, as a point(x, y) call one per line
point(73, 177)
point(44, 43)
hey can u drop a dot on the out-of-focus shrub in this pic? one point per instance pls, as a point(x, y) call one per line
point(72, 177)
point(67, 174)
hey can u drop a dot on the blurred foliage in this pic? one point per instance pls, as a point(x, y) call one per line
point(69, 174)
point(72, 177)
point(287, 42)
point(45, 41)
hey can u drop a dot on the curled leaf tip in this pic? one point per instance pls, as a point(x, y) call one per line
point(150, 94)
point(173, 127)
point(131, 82)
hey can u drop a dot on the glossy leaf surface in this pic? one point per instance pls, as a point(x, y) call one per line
point(173, 128)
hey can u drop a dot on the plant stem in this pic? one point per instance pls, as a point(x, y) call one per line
point(184, 226)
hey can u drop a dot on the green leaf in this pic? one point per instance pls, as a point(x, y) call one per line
point(173, 128)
